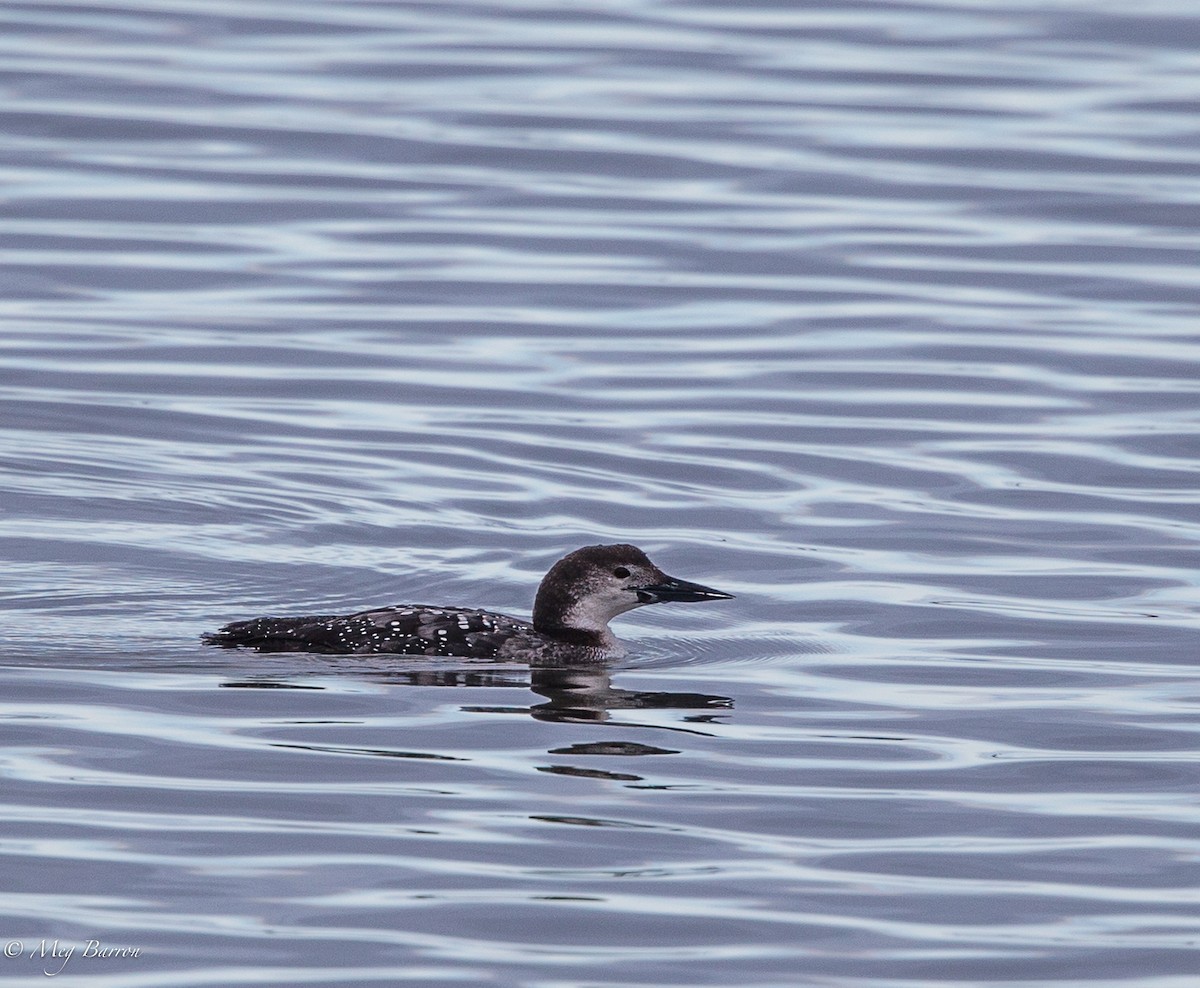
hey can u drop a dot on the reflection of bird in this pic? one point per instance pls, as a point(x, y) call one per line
point(578, 597)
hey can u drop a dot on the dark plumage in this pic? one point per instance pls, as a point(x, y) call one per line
point(576, 599)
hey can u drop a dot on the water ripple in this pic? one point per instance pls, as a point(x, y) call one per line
point(882, 317)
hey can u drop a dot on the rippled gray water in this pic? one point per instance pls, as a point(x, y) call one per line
point(881, 315)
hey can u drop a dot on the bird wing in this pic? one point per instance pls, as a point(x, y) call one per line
point(408, 629)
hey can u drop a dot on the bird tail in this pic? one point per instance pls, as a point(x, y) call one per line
point(267, 634)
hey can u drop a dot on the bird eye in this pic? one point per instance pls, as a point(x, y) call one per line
point(620, 572)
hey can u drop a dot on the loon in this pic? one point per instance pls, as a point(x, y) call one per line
point(576, 599)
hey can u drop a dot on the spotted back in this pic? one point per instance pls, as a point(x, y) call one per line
point(406, 629)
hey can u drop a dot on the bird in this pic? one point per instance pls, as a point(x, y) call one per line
point(576, 599)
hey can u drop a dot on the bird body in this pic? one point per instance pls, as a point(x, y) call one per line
point(576, 599)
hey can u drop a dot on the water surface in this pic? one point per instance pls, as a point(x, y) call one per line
point(881, 316)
